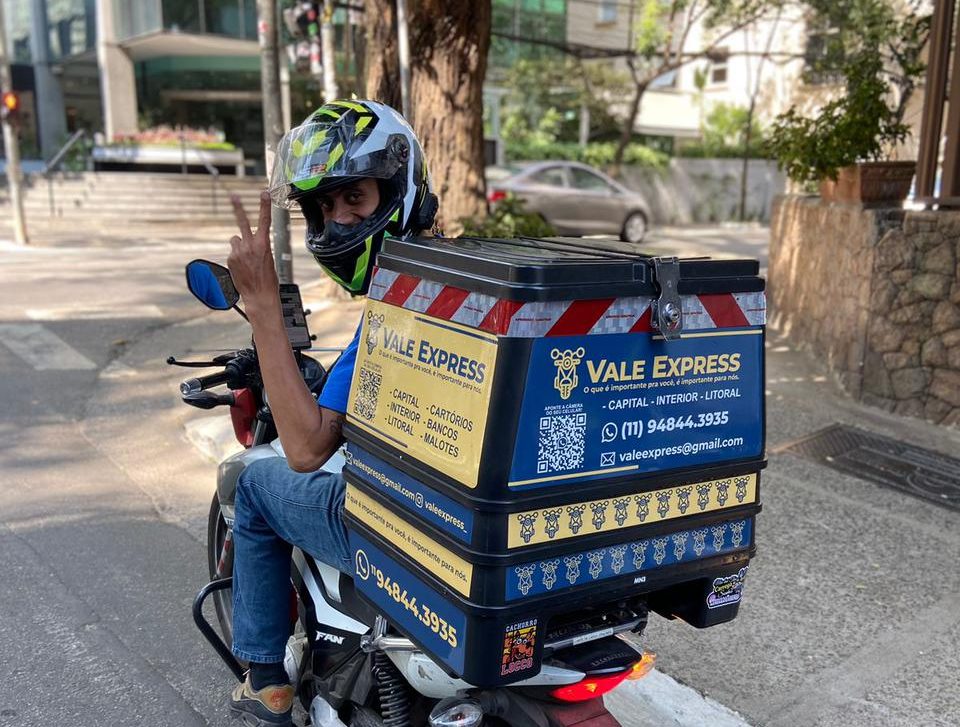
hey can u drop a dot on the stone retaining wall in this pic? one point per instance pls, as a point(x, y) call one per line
point(876, 294)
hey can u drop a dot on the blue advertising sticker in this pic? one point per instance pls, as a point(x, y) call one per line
point(430, 620)
point(422, 501)
point(608, 405)
point(637, 557)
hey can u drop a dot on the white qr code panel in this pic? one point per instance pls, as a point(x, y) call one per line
point(561, 443)
point(365, 404)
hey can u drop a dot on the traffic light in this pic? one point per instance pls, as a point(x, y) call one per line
point(9, 106)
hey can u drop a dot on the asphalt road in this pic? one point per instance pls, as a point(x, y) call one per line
point(850, 615)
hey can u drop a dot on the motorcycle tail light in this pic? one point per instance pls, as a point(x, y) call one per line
point(643, 667)
point(591, 687)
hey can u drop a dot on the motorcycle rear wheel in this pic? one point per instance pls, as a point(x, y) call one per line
point(217, 530)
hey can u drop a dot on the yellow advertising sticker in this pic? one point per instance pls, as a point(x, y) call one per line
point(423, 385)
point(600, 516)
point(438, 560)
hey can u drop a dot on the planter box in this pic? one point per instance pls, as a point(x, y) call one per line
point(172, 155)
point(870, 182)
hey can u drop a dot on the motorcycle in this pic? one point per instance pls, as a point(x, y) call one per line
point(349, 665)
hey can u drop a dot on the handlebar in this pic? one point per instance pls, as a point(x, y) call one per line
point(192, 386)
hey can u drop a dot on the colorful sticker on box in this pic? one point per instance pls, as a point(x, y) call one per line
point(727, 590)
point(519, 644)
point(423, 385)
point(631, 403)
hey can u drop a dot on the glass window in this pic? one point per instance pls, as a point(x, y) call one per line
point(182, 15)
point(224, 17)
point(718, 67)
point(551, 176)
point(70, 27)
point(667, 80)
point(607, 11)
point(137, 17)
point(582, 179)
point(18, 30)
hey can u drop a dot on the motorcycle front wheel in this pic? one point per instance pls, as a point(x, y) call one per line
point(220, 565)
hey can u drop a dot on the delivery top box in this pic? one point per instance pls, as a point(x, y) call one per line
point(494, 367)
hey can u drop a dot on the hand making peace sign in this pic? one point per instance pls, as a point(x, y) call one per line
point(250, 259)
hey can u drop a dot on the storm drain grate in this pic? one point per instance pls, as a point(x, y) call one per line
point(919, 472)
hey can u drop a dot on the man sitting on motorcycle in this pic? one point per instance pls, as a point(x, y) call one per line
point(357, 172)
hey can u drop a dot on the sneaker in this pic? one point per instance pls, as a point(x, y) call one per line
point(267, 707)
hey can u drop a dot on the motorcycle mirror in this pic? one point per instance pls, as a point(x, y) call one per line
point(211, 284)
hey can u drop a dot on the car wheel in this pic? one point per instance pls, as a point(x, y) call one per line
point(635, 228)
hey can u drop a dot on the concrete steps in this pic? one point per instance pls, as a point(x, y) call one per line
point(131, 197)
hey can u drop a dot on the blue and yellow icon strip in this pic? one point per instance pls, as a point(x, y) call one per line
point(551, 575)
point(615, 513)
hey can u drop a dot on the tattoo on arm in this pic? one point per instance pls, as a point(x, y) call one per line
point(336, 427)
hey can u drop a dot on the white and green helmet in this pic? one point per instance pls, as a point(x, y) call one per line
point(339, 142)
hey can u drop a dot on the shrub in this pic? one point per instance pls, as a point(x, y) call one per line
point(598, 154)
point(508, 220)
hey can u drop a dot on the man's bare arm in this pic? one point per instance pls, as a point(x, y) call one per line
point(309, 434)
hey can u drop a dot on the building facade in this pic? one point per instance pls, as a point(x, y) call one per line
point(675, 105)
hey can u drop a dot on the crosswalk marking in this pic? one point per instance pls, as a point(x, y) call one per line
point(42, 349)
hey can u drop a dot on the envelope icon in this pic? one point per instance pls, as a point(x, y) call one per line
point(608, 459)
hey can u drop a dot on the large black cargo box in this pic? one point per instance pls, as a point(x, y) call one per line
point(535, 425)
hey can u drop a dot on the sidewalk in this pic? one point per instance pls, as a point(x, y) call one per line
point(850, 612)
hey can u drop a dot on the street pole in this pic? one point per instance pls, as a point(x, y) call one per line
point(329, 60)
point(273, 127)
point(403, 46)
point(11, 144)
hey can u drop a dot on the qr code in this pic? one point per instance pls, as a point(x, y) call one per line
point(561, 442)
point(365, 403)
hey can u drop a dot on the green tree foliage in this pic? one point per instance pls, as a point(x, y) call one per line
point(661, 29)
point(545, 96)
point(542, 109)
point(858, 126)
point(508, 220)
point(874, 49)
point(724, 134)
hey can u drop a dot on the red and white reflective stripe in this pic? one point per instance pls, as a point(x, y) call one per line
point(560, 318)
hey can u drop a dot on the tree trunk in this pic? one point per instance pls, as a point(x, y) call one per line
point(381, 61)
point(627, 133)
point(449, 44)
point(448, 47)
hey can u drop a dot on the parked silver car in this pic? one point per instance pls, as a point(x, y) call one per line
point(574, 198)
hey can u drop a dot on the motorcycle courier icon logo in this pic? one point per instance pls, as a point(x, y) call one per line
point(566, 363)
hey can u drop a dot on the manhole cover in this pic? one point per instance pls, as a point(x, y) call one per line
point(914, 470)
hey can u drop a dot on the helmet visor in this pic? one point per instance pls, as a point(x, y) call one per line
point(318, 155)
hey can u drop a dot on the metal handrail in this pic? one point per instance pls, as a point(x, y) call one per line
point(211, 170)
point(215, 181)
point(56, 160)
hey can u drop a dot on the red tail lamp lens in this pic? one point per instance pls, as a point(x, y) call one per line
point(496, 195)
point(590, 688)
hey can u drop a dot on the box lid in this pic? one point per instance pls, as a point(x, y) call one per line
point(558, 268)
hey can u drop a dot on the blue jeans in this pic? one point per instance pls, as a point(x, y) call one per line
point(277, 508)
